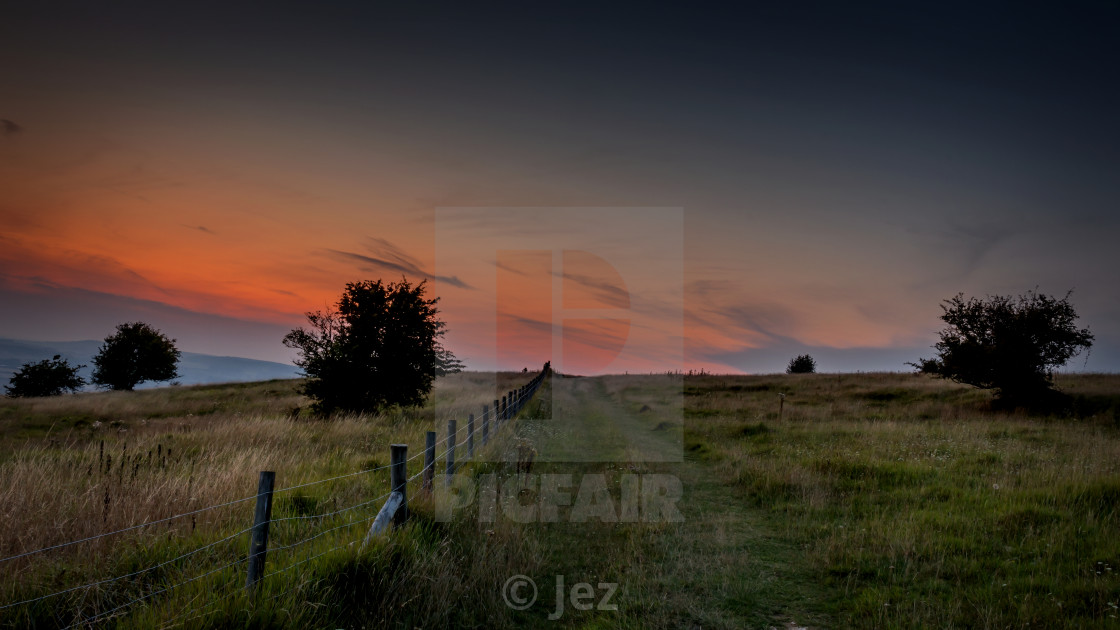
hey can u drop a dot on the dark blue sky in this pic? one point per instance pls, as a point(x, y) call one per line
point(842, 168)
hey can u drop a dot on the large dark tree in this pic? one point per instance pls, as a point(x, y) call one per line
point(134, 354)
point(49, 377)
point(377, 348)
point(1008, 344)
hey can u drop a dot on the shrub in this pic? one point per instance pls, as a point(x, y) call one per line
point(49, 377)
point(801, 364)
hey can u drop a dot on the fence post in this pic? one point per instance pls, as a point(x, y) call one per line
point(429, 459)
point(485, 425)
point(505, 409)
point(258, 539)
point(451, 430)
point(470, 437)
point(398, 480)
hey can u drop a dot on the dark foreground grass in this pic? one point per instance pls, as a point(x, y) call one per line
point(917, 506)
point(872, 501)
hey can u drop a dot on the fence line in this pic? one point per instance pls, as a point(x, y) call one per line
point(511, 404)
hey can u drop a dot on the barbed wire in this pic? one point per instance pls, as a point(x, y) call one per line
point(127, 529)
point(100, 616)
point(487, 414)
point(326, 514)
point(133, 574)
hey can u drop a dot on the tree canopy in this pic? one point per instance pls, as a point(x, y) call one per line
point(801, 364)
point(1008, 344)
point(49, 377)
point(134, 354)
point(377, 348)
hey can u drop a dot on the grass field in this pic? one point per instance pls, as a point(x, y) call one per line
point(872, 500)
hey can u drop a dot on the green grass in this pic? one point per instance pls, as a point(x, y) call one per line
point(919, 507)
point(872, 500)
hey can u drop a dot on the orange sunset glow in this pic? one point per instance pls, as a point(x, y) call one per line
point(221, 187)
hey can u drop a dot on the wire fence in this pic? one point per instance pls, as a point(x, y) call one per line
point(302, 530)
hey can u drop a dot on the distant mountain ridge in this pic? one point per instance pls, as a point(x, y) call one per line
point(194, 368)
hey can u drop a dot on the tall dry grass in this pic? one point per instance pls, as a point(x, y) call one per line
point(102, 462)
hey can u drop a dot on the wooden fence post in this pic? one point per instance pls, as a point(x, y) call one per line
point(470, 437)
point(429, 459)
point(485, 425)
point(451, 430)
point(258, 539)
point(398, 480)
point(505, 409)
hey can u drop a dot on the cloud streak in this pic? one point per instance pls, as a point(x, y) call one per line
point(9, 128)
point(388, 257)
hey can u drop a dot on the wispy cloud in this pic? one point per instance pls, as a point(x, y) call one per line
point(510, 268)
point(200, 228)
point(388, 257)
point(10, 128)
point(606, 292)
point(589, 332)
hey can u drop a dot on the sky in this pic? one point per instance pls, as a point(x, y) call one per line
point(757, 182)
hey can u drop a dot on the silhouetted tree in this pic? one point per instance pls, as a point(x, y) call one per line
point(447, 362)
point(49, 377)
point(377, 348)
point(801, 364)
point(134, 354)
point(1007, 344)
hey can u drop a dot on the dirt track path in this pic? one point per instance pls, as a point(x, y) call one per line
point(722, 567)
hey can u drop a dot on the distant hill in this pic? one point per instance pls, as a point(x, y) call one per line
point(194, 368)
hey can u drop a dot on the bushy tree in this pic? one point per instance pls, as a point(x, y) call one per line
point(49, 377)
point(1008, 344)
point(134, 354)
point(801, 364)
point(377, 348)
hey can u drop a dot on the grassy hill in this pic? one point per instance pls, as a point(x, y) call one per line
point(869, 500)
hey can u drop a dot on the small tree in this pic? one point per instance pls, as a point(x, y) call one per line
point(134, 354)
point(378, 348)
point(49, 377)
point(801, 364)
point(1007, 344)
